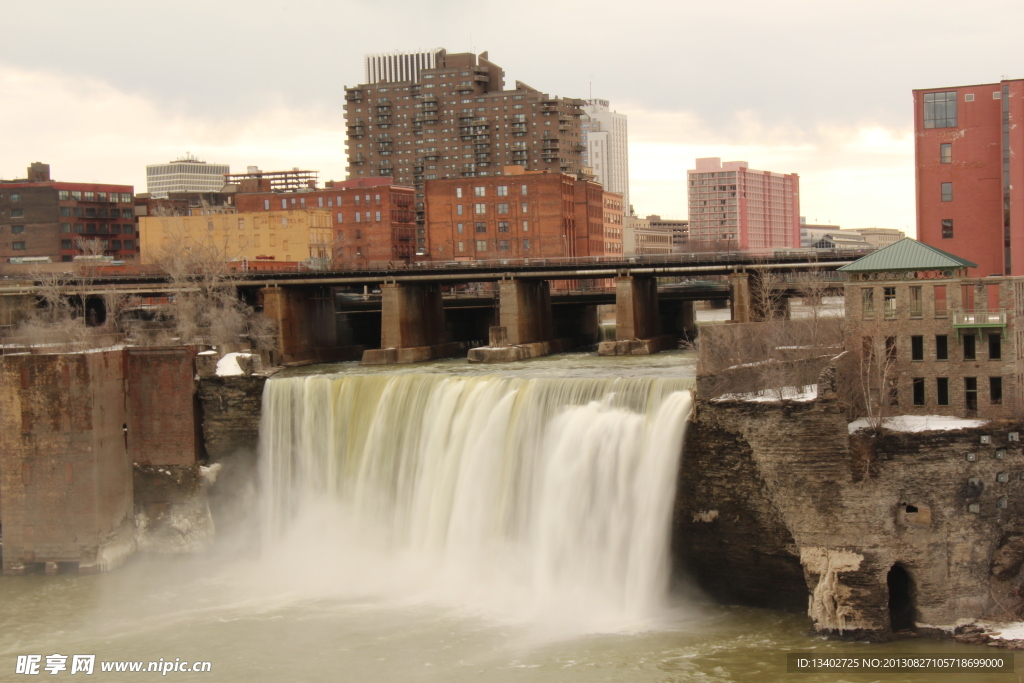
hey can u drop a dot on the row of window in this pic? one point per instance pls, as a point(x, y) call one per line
point(481, 245)
point(940, 349)
point(95, 213)
point(102, 228)
point(78, 195)
point(941, 392)
point(482, 191)
point(481, 209)
point(105, 244)
point(503, 226)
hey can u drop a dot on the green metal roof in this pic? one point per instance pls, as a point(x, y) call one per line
point(907, 254)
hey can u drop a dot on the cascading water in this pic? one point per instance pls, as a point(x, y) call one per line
point(545, 498)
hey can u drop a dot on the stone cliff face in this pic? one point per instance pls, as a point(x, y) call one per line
point(778, 506)
point(231, 415)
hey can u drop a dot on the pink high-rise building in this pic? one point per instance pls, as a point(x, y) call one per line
point(742, 208)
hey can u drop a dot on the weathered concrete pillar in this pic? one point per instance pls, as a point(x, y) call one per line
point(287, 307)
point(739, 297)
point(525, 311)
point(412, 325)
point(637, 319)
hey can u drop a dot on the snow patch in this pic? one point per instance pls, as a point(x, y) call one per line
point(919, 423)
point(228, 365)
point(804, 393)
point(1014, 631)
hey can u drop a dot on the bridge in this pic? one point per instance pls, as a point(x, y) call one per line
point(522, 307)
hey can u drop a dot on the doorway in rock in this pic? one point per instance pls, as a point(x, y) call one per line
point(901, 598)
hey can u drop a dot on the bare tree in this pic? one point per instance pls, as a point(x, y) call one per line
point(877, 378)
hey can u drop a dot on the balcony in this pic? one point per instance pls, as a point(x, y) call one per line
point(353, 95)
point(980, 321)
point(425, 117)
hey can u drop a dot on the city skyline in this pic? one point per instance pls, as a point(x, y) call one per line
point(841, 118)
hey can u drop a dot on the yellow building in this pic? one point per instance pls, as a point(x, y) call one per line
point(283, 236)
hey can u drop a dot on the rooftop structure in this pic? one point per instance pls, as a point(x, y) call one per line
point(255, 180)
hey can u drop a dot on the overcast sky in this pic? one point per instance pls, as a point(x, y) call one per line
point(100, 89)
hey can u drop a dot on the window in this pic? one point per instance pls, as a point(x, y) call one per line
point(502, 190)
point(462, 246)
point(17, 229)
point(481, 245)
point(65, 228)
point(359, 217)
point(995, 347)
point(946, 153)
point(376, 216)
point(526, 245)
point(890, 350)
point(79, 228)
point(340, 217)
point(357, 200)
point(266, 205)
point(480, 208)
point(284, 203)
point(241, 224)
point(359, 234)
point(502, 226)
point(969, 350)
point(128, 244)
point(971, 393)
point(481, 227)
point(524, 207)
point(115, 244)
point(76, 195)
point(77, 211)
point(940, 109)
point(918, 383)
point(65, 244)
point(868, 303)
point(458, 209)
point(101, 196)
point(940, 301)
point(995, 391)
point(90, 196)
point(942, 391)
point(127, 213)
point(502, 245)
point(17, 213)
point(480, 191)
point(947, 192)
point(894, 392)
point(502, 208)
point(63, 195)
point(522, 190)
point(941, 347)
point(889, 303)
point(916, 302)
point(458, 192)
point(376, 199)
point(65, 211)
point(917, 347)
point(526, 226)
point(126, 197)
point(18, 245)
point(458, 228)
point(15, 196)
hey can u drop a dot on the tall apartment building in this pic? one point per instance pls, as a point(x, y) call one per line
point(452, 118)
point(606, 147)
point(373, 221)
point(523, 214)
point(746, 209)
point(184, 175)
point(40, 217)
point(969, 167)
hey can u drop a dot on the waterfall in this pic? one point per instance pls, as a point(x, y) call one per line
point(555, 493)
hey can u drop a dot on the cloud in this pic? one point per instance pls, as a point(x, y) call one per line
point(90, 131)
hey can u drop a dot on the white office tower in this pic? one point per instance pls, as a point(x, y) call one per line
point(184, 175)
point(606, 148)
point(398, 67)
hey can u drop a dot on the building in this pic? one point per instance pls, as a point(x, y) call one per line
point(969, 167)
point(372, 220)
point(285, 235)
point(880, 237)
point(453, 118)
point(929, 339)
point(812, 232)
point(743, 208)
point(397, 67)
point(523, 214)
point(680, 230)
point(841, 239)
point(40, 217)
point(186, 203)
point(645, 237)
point(605, 135)
point(184, 175)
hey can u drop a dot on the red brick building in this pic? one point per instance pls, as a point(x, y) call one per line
point(43, 217)
point(969, 166)
point(521, 214)
point(374, 221)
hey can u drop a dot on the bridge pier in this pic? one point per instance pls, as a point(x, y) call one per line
point(526, 326)
point(754, 298)
point(739, 298)
point(637, 319)
point(412, 325)
point(306, 324)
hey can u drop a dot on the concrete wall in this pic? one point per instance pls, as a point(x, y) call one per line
point(162, 418)
point(65, 473)
point(412, 315)
point(525, 311)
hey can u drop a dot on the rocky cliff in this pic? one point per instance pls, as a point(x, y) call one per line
point(779, 506)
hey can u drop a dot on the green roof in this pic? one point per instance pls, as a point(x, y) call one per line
point(907, 254)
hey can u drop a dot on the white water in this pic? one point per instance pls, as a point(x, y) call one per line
point(539, 500)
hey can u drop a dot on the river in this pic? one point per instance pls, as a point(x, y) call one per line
point(441, 522)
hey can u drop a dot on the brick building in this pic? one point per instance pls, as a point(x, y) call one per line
point(931, 340)
point(40, 217)
point(289, 236)
point(521, 215)
point(373, 221)
point(641, 236)
point(969, 168)
point(436, 115)
point(747, 209)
